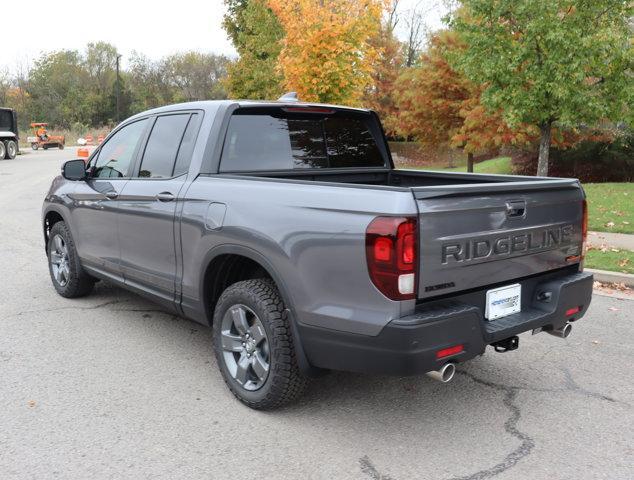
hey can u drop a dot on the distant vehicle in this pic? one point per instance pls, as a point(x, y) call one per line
point(8, 133)
point(41, 138)
point(286, 227)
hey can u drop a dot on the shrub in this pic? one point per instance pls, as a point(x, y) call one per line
point(588, 161)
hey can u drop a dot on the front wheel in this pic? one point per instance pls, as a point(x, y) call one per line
point(3, 150)
point(254, 345)
point(35, 146)
point(69, 278)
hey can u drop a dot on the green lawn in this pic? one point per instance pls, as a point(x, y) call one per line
point(501, 165)
point(610, 207)
point(619, 261)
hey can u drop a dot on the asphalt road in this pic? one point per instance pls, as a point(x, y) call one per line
point(110, 386)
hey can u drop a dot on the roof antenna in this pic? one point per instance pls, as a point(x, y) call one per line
point(288, 97)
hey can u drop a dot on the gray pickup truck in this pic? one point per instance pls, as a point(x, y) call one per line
point(286, 227)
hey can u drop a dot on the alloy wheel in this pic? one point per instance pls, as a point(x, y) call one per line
point(245, 346)
point(60, 262)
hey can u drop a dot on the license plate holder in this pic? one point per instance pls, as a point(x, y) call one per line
point(503, 301)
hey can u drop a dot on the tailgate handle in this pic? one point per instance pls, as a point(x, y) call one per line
point(516, 208)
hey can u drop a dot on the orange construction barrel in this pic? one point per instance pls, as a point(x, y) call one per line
point(83, 153)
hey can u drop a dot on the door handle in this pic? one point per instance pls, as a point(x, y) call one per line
point(112, 195)
point(165, 197)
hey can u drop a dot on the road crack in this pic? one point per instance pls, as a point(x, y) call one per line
point(75, 307)
point(370, 470)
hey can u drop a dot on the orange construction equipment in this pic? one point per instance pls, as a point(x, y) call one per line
point(41, 138)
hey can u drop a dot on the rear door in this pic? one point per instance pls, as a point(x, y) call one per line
point(486, 234)
point(148, 205)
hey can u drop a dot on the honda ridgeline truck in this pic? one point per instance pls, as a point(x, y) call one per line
point(286, 228)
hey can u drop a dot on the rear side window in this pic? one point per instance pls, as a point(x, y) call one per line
point(162, 146)
point(184, 157)
point(274, 139)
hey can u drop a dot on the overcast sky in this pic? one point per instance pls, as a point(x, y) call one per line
point(149, 27)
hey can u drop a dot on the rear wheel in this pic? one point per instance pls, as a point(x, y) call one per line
point(12, 149)
point(45, 147)
point(254, 346)
point(61, 146)
point(35, 146)
point(69, 278)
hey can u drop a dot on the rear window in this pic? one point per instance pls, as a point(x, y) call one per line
point(275, 139)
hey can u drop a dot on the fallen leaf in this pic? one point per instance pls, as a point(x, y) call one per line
point(609, 224)
point(623, 262)
point(615, 250)
point(31, 403)
point(625, 222)
point(613, 309)
point(596, 342)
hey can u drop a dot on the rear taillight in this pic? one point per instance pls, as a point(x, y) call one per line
point(391, 252)
point(584, 230)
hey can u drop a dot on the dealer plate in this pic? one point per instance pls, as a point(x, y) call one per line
point(503, 301)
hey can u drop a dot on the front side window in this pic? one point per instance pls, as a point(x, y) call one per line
point(274, 139)
point(160, 153)
point(116, 155)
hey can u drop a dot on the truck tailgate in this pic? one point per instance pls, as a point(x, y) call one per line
point(490, 233)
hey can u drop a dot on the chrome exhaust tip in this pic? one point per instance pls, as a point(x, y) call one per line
point(562, 332)
point(444, 374)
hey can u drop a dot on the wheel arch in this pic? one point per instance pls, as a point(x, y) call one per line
point(51, 217)
point(222, 258)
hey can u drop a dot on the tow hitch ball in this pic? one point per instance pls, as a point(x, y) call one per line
point(506, 345)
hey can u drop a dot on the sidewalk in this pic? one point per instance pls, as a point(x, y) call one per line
point(616, 240)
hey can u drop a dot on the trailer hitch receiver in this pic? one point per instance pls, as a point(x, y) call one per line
point(506, 345)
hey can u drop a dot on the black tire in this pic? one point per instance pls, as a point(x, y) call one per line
point(284, 382)
point(61, 146)
point(77, 282)
point(45, 147)
point(35, 146)
point(3, 150)
point(12, 149)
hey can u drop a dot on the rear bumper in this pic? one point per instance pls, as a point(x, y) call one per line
point(408, 345)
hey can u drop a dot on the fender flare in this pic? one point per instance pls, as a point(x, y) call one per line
point(56, 209)
point(236, 249)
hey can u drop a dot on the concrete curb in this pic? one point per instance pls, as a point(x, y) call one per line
point(605, 276)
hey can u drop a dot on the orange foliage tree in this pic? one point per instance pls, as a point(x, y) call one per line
point(388, 64)
point(326, 52)
point(440, 107)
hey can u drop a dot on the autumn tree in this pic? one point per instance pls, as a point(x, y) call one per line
point(548, 62)
point(256, 34)
point(388, 63)
point(326, 52)
point(440, 107)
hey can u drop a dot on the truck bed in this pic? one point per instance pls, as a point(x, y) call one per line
point(475, 229)
point(415, 179)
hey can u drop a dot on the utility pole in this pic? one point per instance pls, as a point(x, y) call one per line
point(118, 90)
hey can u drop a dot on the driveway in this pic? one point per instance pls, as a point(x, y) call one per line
point(110, 386)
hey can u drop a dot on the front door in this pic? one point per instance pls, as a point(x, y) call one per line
point(148, 206)
point(96, 199)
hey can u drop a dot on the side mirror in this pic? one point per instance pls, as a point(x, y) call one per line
point(74, 170)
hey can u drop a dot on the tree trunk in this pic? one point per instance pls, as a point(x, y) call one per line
point(470, 162)
point(544, 148)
